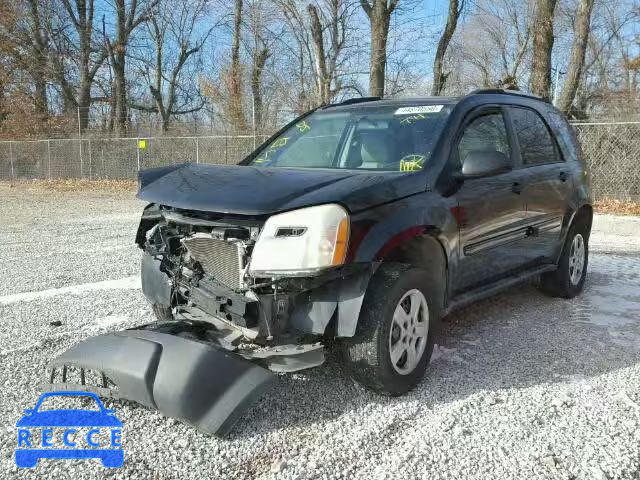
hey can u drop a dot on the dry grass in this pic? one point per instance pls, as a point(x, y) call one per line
point(617, 207)
point(75, 185)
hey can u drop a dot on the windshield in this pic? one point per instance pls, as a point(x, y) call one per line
point(387, 138)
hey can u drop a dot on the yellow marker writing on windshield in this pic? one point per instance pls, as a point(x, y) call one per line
point(412, 118)
point(281, 142)
point(412, 163)
point(303, 126)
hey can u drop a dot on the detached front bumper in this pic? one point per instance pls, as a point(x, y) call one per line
point(193, 381)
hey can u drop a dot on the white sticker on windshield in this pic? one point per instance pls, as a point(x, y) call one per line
point(420, 109)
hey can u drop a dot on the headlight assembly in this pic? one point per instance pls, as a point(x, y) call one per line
point(301, 241)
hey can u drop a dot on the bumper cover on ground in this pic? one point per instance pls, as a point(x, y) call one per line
point(201, 384)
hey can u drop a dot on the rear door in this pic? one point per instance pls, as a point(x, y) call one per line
point(491, 211)
point(546, 186)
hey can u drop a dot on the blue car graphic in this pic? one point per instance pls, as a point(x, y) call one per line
point(28, 457)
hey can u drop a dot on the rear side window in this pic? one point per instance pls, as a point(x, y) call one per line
point(566, 136)
point(485, 133)
point(536, 144)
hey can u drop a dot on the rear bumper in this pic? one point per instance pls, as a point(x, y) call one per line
point(198, 383)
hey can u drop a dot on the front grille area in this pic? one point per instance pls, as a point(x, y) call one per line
point(218, 258)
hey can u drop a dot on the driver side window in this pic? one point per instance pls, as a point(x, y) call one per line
point(485, 133)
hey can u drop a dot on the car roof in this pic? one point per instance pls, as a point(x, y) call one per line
point(377, 102)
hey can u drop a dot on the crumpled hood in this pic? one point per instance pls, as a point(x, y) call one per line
point(247, 190)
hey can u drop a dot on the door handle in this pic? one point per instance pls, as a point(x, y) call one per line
point(563, 176)
point(516, 188)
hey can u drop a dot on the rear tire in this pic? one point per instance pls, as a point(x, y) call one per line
point(568, 280)
point(394, 337)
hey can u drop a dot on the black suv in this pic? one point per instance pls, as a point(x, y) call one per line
point(358, 225)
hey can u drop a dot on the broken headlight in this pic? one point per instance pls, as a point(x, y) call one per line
point(302, 240)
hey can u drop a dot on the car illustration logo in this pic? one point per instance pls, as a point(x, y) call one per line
point(85, 433)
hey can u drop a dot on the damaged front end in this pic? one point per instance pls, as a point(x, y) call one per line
point(223, 327)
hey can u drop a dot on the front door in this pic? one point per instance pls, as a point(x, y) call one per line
point(491, 210)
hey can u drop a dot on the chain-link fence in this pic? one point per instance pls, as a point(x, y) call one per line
point(612, 151)
point(115, 158)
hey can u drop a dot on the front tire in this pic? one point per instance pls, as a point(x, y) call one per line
point(395, 333)
point(162, 313)
point(568, 280)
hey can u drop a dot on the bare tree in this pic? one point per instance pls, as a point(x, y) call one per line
point(509, 29)
point(176, 39)
point(7, 46)
point(259, 44)
point(540, 81)
point(328, 83)
point(578, 52)
point(87, 53)
point(40, 50)
point(235, 95)
point(301, 57)
point(379, 13)
point(261, 54)
point(491, 47)
point(129, 16)
point(439, 77)
point(30, 36)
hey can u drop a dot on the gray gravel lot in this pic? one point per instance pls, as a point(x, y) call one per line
point(521, 385)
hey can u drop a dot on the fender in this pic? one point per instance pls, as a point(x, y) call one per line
point(403, 221)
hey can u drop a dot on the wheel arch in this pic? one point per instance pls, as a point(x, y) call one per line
point(425, 251)
point(583, 216)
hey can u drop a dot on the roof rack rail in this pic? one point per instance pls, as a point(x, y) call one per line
point(351, 101)
point(502, 91)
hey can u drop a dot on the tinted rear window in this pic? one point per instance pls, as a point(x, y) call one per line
point(566, 135)
point(536, 144)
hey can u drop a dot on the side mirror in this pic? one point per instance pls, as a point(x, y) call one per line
point(484, 163)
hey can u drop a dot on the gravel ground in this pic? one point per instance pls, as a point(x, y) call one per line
point(521, 385)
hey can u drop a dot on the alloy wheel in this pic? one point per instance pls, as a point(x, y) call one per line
point(576, 259)
point(409, 332)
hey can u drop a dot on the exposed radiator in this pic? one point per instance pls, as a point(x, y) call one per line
point(221, 259)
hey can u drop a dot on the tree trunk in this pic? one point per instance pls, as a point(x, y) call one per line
point(3, 111)
point(126, 23)
point(379, 14)
point(236, 110)
point(40, 65)
point(439, 77)
point(84, 103)
point(320, 64)
point(85, 30)
point(40, 101)
point(120, 83)
point(540, 83)
point(578, 51)
point(259, 61)
point(379, 33)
